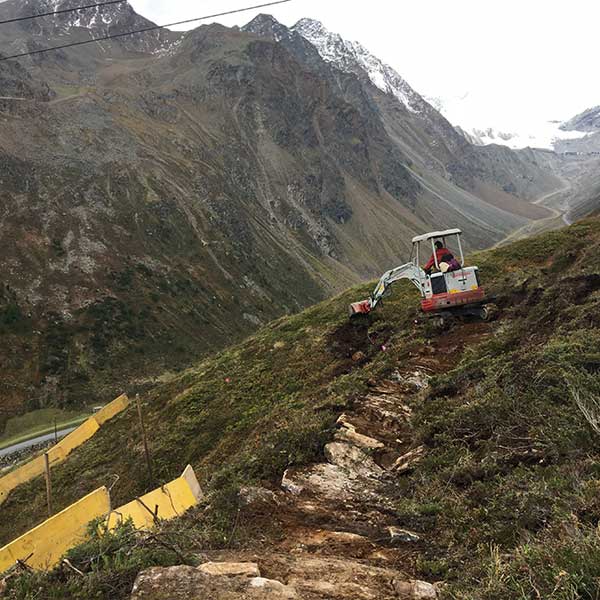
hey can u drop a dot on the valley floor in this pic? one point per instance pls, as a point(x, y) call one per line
point(556, 220)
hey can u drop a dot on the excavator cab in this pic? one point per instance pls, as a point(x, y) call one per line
point(446, 291)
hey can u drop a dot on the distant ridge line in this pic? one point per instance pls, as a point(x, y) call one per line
point(144, 30)
point(60, 12)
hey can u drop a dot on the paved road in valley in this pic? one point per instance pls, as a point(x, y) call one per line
point(34, 441)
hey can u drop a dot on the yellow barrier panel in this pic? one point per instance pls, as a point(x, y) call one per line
point(62, 449)
point(166, 502)
point(110, 410)
point(43, 546)
point(73, 440)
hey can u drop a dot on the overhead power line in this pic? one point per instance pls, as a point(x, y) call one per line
point(144, 30)
point(61, 11)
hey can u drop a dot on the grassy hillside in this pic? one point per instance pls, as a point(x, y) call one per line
point(506, 497)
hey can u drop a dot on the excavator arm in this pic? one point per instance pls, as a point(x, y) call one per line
point(408, 271)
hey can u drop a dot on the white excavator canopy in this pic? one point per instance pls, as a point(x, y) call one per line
point(436, 234)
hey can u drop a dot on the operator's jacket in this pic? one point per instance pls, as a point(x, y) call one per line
point(443, 255)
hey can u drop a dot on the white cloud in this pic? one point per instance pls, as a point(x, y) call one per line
point(518, 59)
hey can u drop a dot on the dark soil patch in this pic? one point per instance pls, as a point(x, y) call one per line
point(348, 339)
point(579, 288)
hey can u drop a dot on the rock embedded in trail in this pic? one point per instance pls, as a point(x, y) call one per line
point(187, 583)
point(353, 459)
point(415, 590)
point(290, 484)
point(276, 588)
point(324, 480)
point(251, 495)
point(402, 535)
point(408, 461)
point(316, 578)
point(418, 380)
point(349, 434)
point(299, 576)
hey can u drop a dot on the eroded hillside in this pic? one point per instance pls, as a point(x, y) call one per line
point(467, 441)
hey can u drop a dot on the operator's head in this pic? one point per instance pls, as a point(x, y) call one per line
point(439, 245)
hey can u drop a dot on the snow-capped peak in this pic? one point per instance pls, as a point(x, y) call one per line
point(353, 57)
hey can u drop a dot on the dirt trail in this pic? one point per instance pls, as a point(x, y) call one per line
point(330, 531)
point(557, 219)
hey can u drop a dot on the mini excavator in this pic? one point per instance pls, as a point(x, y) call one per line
point(445, 293)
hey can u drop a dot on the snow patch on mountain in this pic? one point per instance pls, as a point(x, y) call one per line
point(99, 21)
point(462, 112)
point(541, 135)
point(89, 18)
point(353, 57)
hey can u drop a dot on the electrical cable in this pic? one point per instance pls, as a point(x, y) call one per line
point(61, 11)
point(144, 30)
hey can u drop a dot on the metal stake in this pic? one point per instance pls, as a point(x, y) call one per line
point(48, 483)
point(143, 428)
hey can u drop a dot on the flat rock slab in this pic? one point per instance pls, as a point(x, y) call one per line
point(357, 462)
point(323, 480)
point(402, 535)
point(351, 436)
point(242, 569)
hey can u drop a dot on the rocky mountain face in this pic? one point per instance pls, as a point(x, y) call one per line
point(588, 121)
point(353, 57)
point(16, 82)
point(454, 169)
point(586, 126)
point(580, 164)
point(25, 36)
point(164, 195)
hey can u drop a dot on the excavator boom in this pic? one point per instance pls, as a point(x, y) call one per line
point(408, 271)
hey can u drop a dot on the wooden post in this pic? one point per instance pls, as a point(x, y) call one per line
point(48, 483)
point(55, 433)
point(143, 428)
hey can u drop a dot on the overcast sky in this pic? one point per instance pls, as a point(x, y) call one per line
point(517, 59)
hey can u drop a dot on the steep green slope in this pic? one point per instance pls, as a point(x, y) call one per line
point(506, 497)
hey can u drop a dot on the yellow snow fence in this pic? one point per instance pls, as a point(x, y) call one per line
point(166, 502)
point(62, 449)
point(43, 546)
